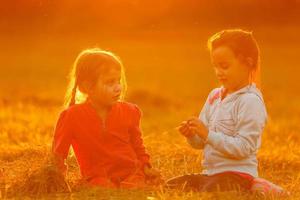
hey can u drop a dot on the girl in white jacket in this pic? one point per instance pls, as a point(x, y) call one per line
point(232, 120)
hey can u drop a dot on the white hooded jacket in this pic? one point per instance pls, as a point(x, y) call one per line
point(235, 125)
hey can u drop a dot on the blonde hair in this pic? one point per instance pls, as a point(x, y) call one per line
point(87, 68)
point(243, 45)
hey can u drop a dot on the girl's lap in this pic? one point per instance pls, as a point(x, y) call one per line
point(133, 181)
point(219, 182)
point(225, 181)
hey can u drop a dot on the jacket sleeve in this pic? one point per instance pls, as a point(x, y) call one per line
point(136, 138)
point(251, 121)
point(62, 141)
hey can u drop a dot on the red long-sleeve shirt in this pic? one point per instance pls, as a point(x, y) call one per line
point(112, 149)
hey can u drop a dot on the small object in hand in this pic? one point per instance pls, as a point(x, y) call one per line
point(184, 129)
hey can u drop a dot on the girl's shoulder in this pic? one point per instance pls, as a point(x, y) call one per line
point(74, 109)
point(251, 101)
point(128, 107)
point(129, 111)
point(252, 96)
point(68, 114)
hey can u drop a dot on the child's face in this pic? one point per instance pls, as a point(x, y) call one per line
point(108, 88)
point(229, 69)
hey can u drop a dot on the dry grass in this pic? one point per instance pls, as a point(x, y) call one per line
point(180, 79)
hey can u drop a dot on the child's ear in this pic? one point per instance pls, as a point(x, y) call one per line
point(85, 87)
point(249, 62)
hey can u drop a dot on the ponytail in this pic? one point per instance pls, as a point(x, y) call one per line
point(70, 98)
point(73, 95)
point(256, 76)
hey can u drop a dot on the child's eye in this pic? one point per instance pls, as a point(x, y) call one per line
point(221, 65)
point(224, 66)
point(109, 82)
point(112, 82)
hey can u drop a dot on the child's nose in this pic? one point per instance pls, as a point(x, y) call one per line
point(219, 72)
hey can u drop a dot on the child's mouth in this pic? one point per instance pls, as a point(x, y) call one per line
point(116, 97)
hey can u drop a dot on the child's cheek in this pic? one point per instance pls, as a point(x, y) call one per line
point(106, 89)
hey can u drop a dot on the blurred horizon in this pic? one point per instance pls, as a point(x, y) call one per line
point(41, 38)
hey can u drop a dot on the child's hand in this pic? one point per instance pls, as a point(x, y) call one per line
point(153, 176)
point(195, 126)
point(185, 130)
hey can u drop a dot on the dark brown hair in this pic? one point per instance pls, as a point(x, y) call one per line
point(243, 45)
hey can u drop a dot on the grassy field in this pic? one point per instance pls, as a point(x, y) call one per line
point(169, 76)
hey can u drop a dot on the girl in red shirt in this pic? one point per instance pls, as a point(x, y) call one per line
point(103, 130)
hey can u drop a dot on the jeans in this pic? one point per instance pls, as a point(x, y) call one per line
point(224, 181)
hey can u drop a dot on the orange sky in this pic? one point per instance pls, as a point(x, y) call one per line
point(28, 15)
point(38, 36)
